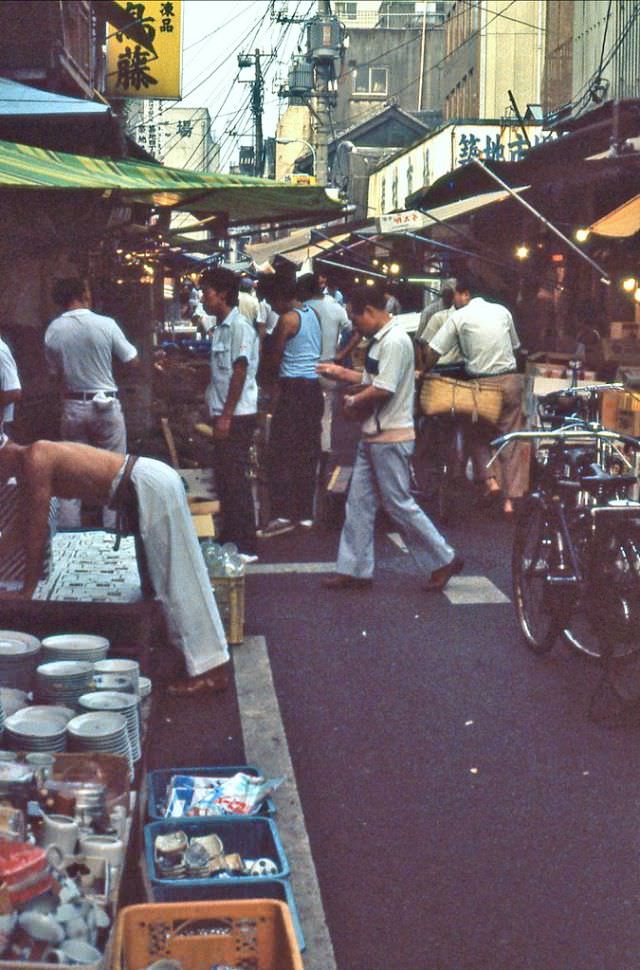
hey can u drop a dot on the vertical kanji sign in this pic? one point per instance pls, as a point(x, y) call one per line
point(144, 50)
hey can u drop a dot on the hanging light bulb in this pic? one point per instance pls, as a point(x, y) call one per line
point(522, 251)
point(582, 235)
point(629, 284)
point(394, 269)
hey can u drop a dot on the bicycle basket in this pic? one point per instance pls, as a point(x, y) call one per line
point(443, 395)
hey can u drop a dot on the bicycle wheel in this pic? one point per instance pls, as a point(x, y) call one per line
point(605, 621)
point(535, 552)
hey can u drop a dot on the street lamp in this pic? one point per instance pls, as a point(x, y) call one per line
point(300, 141)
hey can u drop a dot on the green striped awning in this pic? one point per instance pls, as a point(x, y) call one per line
point(242, 198)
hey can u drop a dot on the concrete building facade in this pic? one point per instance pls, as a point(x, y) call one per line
point(489, 52)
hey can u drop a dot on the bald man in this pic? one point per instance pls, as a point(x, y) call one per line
point(151, 496)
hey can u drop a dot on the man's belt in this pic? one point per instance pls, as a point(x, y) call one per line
point(87, 395)
point(125, 503)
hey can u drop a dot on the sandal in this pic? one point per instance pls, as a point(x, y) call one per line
point(215, 680)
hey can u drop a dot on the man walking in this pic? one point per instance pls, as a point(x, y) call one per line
point(383, 402)
point(232, 400)
point(80, 346)
point(151, 496)
point(485, 336)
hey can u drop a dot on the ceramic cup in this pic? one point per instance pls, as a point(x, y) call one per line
point(61, 831)
point(107, 847)
point(124, 668)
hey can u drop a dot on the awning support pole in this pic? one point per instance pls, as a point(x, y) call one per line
point(604, 276)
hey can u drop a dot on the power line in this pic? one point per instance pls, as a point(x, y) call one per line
point(243, 10)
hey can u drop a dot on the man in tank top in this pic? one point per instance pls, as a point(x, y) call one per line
point(294, 444)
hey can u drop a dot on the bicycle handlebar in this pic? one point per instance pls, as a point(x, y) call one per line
point(576, 432)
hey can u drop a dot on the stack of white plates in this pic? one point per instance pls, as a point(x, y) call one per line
point(100, 731)
point(39, 728)
point(75, 646)
point(126, 704)
point(63, 681)
point(18, 658)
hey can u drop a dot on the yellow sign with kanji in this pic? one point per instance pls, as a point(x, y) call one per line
point(144, 49)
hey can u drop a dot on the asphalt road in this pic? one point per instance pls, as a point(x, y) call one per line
point(462, 810)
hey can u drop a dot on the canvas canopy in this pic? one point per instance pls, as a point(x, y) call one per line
point(243, 199)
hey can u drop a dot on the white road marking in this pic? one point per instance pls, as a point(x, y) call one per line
point(398, 541)
point(258, 568)
point(468, 590)
point(265, 744)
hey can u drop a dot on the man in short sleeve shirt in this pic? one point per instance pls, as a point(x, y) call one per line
point(232, 401)
point(485, 335)
point(80, 346)
point(383, 403)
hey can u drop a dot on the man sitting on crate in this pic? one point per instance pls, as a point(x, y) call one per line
point(484, 334)
point(151, 496)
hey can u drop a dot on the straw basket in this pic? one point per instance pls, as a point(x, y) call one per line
point(229, 596)
point(444, 395)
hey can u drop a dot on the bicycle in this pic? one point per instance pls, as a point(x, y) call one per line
point(576, 551)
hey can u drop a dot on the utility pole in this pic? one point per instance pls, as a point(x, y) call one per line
point(323, 74)
point(257, 104)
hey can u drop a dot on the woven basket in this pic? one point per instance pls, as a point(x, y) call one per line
point(444, 395)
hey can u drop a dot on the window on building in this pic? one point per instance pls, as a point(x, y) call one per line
point(347, 10)
point(371, 80)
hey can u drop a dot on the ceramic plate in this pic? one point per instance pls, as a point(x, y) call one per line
point(39, 721)
point(97, 724)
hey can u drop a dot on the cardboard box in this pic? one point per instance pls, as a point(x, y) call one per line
point(621, 351)
point(609, 406)
point(629, 422)
point(624, 330)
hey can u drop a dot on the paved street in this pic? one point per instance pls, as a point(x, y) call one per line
point(461, 810)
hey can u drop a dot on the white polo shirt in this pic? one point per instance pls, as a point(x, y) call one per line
point(434, 324)
point(333, 320)
point(267, 315)
point(80, 346)
point(390, 365)
point(233, 338)
point(485, 334)
point(9, 380)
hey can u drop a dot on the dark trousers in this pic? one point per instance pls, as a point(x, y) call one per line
point(294, 448)
point(231, 470)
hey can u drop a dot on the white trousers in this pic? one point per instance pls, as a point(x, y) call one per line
point(381, 479)
point(84, 422)
point(176, 566)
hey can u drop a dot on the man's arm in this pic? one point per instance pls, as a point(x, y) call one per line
point(37, 490)
point(10, 397)
point(222, 423)
point(286, 327)
point(430, 358)
point(336, 372)
point(364, 402)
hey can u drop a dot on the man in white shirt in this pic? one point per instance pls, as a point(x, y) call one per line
point(485, 335)
point(383, 402)
point(333, 321)
point(232, 400)
point(80, 346)
point(10, 387)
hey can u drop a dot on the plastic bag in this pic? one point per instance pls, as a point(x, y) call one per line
point(197, 795)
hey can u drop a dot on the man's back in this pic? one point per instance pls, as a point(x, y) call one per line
point(485, 334)
point(81, 345)
point(333, 320)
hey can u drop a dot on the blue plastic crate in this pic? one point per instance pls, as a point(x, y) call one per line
point(250, 837)
point(158, 780)
point(220, 889)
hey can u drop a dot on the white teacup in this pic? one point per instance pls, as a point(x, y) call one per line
point(107, 847)
point(61, 831)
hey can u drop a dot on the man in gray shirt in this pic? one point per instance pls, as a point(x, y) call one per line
point(80, 346)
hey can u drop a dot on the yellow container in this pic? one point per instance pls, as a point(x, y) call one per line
point(229, 596)
point(235, 933)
